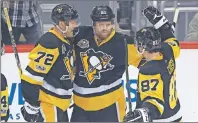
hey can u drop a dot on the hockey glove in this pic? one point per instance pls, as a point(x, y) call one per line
point(5, 118)
point(138, 115)
point(154, 16)
point(31, 113)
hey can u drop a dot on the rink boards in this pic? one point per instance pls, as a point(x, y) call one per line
point(187, 83)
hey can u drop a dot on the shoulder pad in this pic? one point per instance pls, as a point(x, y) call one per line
point(85, 29)
point(130, 39)
point(48, 40)
point(150, 68)
point(166, 49)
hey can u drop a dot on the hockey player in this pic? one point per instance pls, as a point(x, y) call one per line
point(157, 95)
point(100, 64)
point(47, 80)
point(4, 94)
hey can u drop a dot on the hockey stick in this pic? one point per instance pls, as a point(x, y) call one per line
point(127, 76)
point(175, 18)
point(126, 62)
point(12, 40)
point(130, 18)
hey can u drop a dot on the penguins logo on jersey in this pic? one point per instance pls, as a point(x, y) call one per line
point(70, 65)
point(94, 63)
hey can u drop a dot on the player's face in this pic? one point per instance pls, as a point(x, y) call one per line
point(142, 52)
point(69, 27)
point(146, 55)
point(103, 29)
point(139, 47)
point(73, 24)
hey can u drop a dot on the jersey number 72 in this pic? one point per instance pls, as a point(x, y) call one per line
point(48, 58)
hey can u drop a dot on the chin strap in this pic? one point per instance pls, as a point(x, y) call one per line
point(63, 31)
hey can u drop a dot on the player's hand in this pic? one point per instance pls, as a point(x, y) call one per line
point(138, 115)
point(154, 16)
point(5, 118)
point(31, 113)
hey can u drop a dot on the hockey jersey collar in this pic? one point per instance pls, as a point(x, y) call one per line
point(58, 35)
point(106, 40)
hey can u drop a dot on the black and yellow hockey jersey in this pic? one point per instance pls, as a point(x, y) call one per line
point(50, 72)
point(157, 83)
point(99, 68)
point(4, 99)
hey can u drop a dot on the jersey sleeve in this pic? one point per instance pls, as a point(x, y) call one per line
point(174, 45)
point(41, 60)
point(4, 99)
point(150, 86)
point(170, 42)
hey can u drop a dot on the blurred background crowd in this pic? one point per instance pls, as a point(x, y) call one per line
point(31, 18)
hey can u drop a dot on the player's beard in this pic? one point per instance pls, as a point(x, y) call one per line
point(102, 35)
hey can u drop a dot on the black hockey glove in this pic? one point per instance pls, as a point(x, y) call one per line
point(138, 115)
point(31, 113)
point(154, 16)
point(157, 19)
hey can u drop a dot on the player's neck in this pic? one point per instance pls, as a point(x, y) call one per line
point(98, 40)
point(152, 56)
point(58, 31)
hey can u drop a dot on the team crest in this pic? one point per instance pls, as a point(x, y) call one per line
point(83, 43)
point(59, 9)
point(69, 61)
point(94, 63)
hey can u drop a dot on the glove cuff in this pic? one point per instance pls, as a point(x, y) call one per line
point(31, 109)
point(161, 22)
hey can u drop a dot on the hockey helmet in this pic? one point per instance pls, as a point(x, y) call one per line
point(63, 12)
point(102, 13)
point(148, 39)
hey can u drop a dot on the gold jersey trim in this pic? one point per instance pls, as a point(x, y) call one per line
point(106, 40)
point(61, 103)
point(99, 102)
point(28, 77)
point(159, 106)
point(58, 35)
